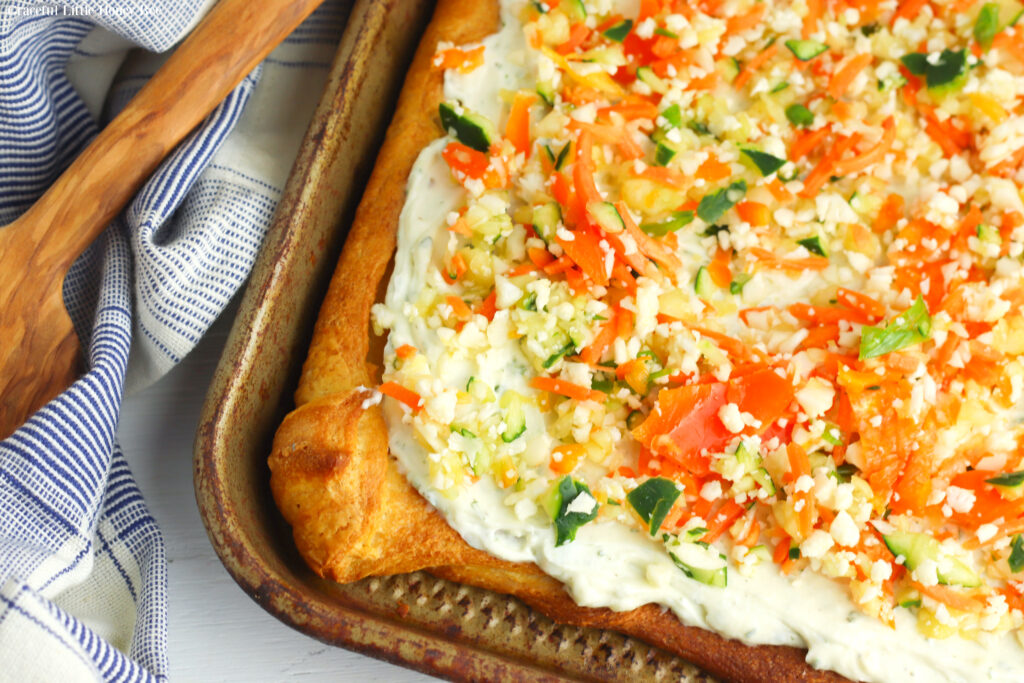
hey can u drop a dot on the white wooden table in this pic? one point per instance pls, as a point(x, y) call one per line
point(216, 632)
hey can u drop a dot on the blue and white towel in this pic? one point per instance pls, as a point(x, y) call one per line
point(82, 567)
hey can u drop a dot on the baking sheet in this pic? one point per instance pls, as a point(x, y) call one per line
point(416, 620)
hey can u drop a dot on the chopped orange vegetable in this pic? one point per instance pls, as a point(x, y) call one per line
point(755, 213)
point(459, 59)
point(400, 393)
point(405, 351)
point(566, 457)
point(566, 388)
point(517, 127)
point(845, 74)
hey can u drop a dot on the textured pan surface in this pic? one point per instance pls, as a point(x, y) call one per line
point(416, 620)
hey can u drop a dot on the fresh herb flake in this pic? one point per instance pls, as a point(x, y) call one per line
point(913, 326)
point(713, 206)
point(673, 116)
point(946, 70)
point(986, 26)
point(671, 224)
point(1010, 480)
point(619, 31)
point(1016, 558)
point(568, 522)
point(799, 115)
point(766, 163)
point(652, 500)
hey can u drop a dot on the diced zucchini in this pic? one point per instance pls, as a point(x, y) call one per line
point(557, 356)
point(619, 31)
point(806, 50)
point(678, 220)
point(702, 283)
point(470, 128)
point(673, 116)
point(753, 464)
point(634, 419)
point(606, 216)
point(814, 244)
point(478, 389)
point(653, 500)
point(515, 419)
point(728, 68)
point(766, 163)
point(917, 548)
point(546, 218)
point(646, 74)
point(575, 10)
point(907, 597)
point(558, 502)
point(547, 92)
point(989, 234)
point(779, 88)
point(1010, 485)
point(664, 152)
point(739, 282)
point(701, 563)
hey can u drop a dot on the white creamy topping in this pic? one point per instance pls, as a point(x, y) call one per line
point(610, 564)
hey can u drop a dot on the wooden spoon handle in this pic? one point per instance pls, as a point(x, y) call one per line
point(229, 42)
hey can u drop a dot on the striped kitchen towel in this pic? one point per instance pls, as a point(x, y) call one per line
point(82, 567)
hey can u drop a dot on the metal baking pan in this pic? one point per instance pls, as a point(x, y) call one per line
point(415, 620)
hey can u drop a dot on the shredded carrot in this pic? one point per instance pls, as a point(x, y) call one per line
point(772, 261)
point(666, 176)
point(566, 388)
point(517, 127)
point(755, 213)
point(871, 156)
point(639, 109)
point(405, 350)
point(488, 307)
point(950, 597)
point(779, 191)
point(748, 70)
point(907, 10)
point(459, 306)
point(807, 142)
point(577, 34)
point(746, 21)
point(815, 8)
point(458, 269)
point(845, 74)
point(459, 59)
point(719, 269)
point(890, 213)
point(649, 246)
point(602, 340)
point(565, 457)
point(860, 302)
point(722, 520)
point(400, 393)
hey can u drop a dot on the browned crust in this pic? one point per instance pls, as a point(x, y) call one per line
point(352, 513)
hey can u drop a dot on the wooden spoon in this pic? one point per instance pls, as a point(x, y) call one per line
point(39, 352)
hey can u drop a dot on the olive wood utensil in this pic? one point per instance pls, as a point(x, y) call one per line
point(39, 352)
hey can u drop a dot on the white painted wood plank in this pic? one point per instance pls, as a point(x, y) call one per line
point(216, 632)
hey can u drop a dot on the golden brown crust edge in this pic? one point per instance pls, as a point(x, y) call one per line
point(352, 513)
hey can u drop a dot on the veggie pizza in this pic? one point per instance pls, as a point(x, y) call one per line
point(713, 306)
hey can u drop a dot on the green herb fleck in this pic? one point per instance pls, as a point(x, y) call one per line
point(913, 326)
point(714, 205)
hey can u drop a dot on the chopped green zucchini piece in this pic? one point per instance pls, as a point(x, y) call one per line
point(916, 548)
point(701, 562)
point(702, 283)
point(806, 50)
point(619, 31)
point(989, 234)
point(646, 75)
point(515, 418)
point(546, 218)
point(470, 128)
point(814, 244)
point(606, 216)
